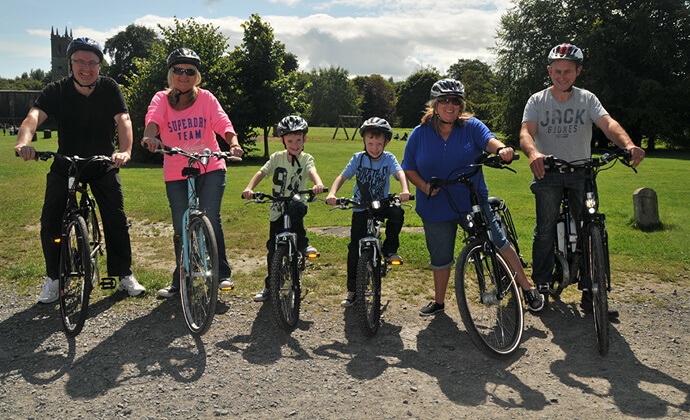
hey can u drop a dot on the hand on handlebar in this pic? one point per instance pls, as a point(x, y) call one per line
point(25, 152)
point(151, 144)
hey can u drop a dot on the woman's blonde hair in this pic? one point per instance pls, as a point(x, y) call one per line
point(431, 115)
point(174, 94)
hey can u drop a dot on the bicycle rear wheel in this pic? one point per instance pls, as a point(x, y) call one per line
point(368, 293)
point(199, 286)
point(492, 314)
point(599, 290)
point(285, 288)
point(75, 275)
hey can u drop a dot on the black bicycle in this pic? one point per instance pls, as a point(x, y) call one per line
point(487, 293)
point(582, 255)
point(199, 259)
point(371, 265)
point(80, 244)
point(285, 282)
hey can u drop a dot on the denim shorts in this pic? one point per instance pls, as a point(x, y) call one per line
point(440, 239)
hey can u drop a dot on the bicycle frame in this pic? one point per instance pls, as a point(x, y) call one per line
point(477, 222)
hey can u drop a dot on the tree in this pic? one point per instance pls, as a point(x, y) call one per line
point(414, 94)
point(261, 63)
point(332, 93)
point(376, 97)
point(216, 68)
point(135, 41)
point(481, 86)
point(637, 55)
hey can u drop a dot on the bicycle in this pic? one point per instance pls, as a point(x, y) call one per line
point(582, 255)
point(199, 259)
point(80, 244)
point(371, 265)
point(287, 264)
point(487, 293)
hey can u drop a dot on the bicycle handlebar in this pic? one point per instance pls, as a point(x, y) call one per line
point(44, 156)
point(554, 164)
point(207, 153)
point(392, 200)
point(259, 197)
point(492, 161)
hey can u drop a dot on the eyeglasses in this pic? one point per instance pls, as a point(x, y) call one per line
point(90, 64)
point(180, 71)
point(450, 100)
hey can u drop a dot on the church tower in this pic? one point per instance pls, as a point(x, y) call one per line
point(58, 53)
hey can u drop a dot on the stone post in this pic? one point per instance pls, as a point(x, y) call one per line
point(646, 207)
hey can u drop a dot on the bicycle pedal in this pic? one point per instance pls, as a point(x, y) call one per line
point(107, 283)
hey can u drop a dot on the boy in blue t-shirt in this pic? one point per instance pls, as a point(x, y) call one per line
point(289, 169)
point(372, 168)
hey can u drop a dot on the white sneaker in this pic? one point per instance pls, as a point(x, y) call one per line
point(349, 300)
point(131, 285)
point(49, 291)
point(168, 292)
point(226, 284)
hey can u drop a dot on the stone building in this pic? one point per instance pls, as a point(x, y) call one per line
point(14, 104)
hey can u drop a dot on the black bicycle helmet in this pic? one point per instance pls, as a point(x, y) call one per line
point(292, 124)
point(448, 87)
point(376, 123)
point(184, 56)
point(566, 52)
point(85, 44)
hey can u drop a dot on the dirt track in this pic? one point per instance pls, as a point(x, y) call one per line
point(136, 359)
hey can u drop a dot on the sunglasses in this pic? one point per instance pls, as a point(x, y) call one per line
point(180, 71)
point(450, 100)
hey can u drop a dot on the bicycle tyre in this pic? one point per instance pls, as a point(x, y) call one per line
point(597, 274)
point(368, 293)
point(285, 288)
point(199, 287)
point(75, 281)
point(494, 323)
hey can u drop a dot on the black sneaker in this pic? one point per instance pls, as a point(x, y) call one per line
point(535, 301)
point(394, 259)
point(432, 309)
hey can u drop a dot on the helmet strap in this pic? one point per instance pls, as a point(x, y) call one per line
point(91, 86)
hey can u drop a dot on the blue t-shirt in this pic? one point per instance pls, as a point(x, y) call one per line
point(373, 177)
point(430, 156)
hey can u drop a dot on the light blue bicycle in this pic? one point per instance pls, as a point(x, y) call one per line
point(199, 256)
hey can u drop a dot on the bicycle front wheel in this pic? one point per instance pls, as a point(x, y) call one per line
point(285, 288)
point(199, 286)
point(368, 293)
point(75, 275)
point(597, 274)
point(489, 299)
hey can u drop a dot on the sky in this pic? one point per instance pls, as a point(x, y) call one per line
point(393, 38)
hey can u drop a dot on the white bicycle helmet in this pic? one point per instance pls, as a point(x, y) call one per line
point(448, 87)
point(566, 52)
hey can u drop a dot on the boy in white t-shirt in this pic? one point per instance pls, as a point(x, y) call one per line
point(289, 169)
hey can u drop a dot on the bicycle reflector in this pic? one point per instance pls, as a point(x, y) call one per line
point(57, 240)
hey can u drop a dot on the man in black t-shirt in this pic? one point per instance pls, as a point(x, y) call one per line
point(87, 108)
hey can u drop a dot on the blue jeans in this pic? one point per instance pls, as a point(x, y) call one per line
point(210, 188)
point(548, 192)
point(440, 239)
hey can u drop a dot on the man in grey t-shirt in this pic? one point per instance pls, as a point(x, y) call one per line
point(558, 121)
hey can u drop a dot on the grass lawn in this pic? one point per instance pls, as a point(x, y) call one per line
point(663, 253)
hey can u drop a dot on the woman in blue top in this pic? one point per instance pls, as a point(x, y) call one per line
point(446, 140)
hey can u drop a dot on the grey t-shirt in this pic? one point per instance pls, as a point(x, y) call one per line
point(564, 129)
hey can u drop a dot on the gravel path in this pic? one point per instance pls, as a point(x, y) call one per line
point(135, 359)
